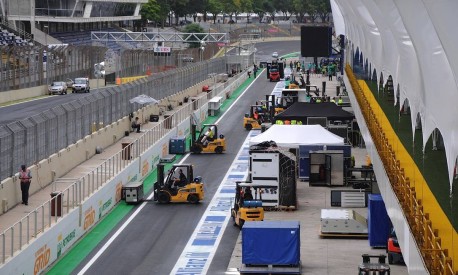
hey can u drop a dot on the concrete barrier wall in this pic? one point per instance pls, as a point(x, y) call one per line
point(45, 250)
point(59, 164)
point(22, 93)
point(26, 93)
point(51, 244)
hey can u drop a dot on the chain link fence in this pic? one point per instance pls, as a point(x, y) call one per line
point(31, 66)
point(35, 138)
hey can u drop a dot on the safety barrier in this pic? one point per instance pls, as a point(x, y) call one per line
point(124, 80)
point(40, 220)
point(35, 138)
point(436, 257)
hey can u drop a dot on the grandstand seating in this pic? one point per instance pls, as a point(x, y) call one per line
point(8, 38)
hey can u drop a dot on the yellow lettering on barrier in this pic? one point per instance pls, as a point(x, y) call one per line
point(145, 168)
point(89, 218)
point(42, 257)
point(118, 191)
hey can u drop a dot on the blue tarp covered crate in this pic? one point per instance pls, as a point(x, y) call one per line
point(271, 243)
point(378, 222)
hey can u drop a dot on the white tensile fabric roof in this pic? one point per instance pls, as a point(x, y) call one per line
point(415, 42)
point(291, 136)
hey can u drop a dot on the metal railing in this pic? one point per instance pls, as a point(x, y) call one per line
point(428, 239)
point(36, 138)
point(41, 219)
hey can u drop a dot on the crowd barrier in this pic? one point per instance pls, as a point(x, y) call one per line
point(437, 254)
point(38, 239)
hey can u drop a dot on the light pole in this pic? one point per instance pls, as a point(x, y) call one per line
point(202, 48)
point(46, 34)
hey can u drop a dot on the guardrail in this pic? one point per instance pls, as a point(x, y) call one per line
point(44, 216)
point(436, 258)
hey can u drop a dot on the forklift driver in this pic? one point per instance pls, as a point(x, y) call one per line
point(181, 181)
point(247, 196)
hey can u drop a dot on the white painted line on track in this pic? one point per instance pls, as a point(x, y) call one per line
point(119, 231)
point(129, 220)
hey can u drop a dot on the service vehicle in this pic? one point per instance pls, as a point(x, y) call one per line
point(208, 140)
point(246, 206)
point(253, 119)
point(179, 185)
point(262, 112)
point(57, 87)
point(81, 84)
point(274, 73)
point(393, 250)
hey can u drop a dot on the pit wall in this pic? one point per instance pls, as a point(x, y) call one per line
point(59, 164)
point(26, 93)
point(55, 241)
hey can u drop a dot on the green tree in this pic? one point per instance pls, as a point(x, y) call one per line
point(247, 6)
point(323, 8)
point(312, 9)
point(300, 9)
point(231, 7)
point(193, 28)
point(285, 7)
point(215, 7)
point(179, 8)
point(259, 7)
point(155, 11)
point(269, 8)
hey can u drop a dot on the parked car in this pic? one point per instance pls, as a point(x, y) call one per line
point(81, 85)
point(69, 83)
point(57, 87)
point(187, 59)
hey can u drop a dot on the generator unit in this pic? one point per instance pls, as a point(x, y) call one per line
point(132, 192)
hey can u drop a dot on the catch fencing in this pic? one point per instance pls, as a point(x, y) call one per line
point(41, 219)
point(36, 138)
point(31, 66)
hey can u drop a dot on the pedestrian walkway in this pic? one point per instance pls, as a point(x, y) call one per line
point(26, 222)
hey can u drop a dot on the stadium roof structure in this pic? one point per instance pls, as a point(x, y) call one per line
point(413, 42)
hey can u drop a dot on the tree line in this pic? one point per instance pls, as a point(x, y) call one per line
point(303, 11)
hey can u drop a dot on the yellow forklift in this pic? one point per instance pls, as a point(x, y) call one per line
point(250, 122)
point(246, 206)
point(208, 140)
point(179, 185)
point(265, 111)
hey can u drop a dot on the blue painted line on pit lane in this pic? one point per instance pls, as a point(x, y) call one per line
point(201, 247)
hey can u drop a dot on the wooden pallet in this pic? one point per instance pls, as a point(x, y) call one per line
point(269, 269)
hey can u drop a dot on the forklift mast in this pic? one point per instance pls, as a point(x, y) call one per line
point(270, 101)
point(160, 173)
point(193, 133)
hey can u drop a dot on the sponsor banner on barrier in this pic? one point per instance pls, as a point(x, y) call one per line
point(46, 249)
point(55, 241)
point(200, 249)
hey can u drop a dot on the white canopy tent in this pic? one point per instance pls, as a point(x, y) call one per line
point(291, 136)
point(413, 41)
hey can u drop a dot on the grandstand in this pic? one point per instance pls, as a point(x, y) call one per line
point(46, 21)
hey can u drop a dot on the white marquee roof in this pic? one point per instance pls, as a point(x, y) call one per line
point(416, 42)
point(291, 136)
